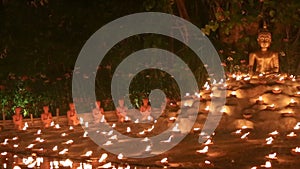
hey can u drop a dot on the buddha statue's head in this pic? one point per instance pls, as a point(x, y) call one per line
point(264, 38)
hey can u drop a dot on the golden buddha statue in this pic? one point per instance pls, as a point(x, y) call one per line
point(266, 61)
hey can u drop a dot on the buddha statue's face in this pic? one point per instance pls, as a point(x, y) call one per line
point(264, 40)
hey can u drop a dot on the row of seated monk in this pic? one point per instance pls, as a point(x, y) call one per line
point(97, 112)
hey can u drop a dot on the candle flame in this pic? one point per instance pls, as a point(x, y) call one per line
point(66, 163)
point(69, 142)
point(176, 128)
point(164, 160)
point(245, 135)
point(128, 130)
point(120, 156)
point(85, 134)
point(64, 151)
point(203, 151)
point(272, 156)
point(274, 133)
point(207, 108)
point(292, 100)
point(103, 157)
point(150, 129)
point(30, 146)
point(208, 142)
point(145, 139)
point(148, 148)
point(54, 148)
point(39, 132)
point(297, 126)
point(88, 153)
point(296, 150)
point(267, 165)
point(57, 126)
point(107, 143)
point(292, 134)
point(269, 140)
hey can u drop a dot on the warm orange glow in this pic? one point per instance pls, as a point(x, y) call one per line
point(272, 156)
point(203, 151)
point(164, 160)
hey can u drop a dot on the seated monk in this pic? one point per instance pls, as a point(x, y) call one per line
point(46, 116)
point(98, 112)
point(72, 115)
point(121, 110)
point(267, 62)
point(18, 118)
point(145, 109)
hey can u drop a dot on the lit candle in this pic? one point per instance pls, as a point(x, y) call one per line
point(297, 126)
point(208, 142)
point(63, 134)
point(39, 132)
point(274, 133)
point(272, 156)
point(168, 140)
point(57, 126)
point(114, 137)
point(233, 94)
point(172, 118)
point(238, 132)
point(244, 136)
point(64, 151)
point(128, 130)
point(271, 107)
point(223, 110)
point(107, 143)
point(85, 134)
point(103, 158)
point(127, 118)
point(150, 129)
point(203, 151)
point(267, 164)
point(148, 148)
point(146, 139)
point(196, 129)
point(164, 160)
point(88, 154)
point(30, 146)
point(260, 100)
point(206, 109)
point(292, 102)
point(296, 151)
point(69, 142)
point(291, 135)
point(120, 156)
point(281, 80)
point(54, 148)
point(269, 140)
point(5, 142)
point(276, 90)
